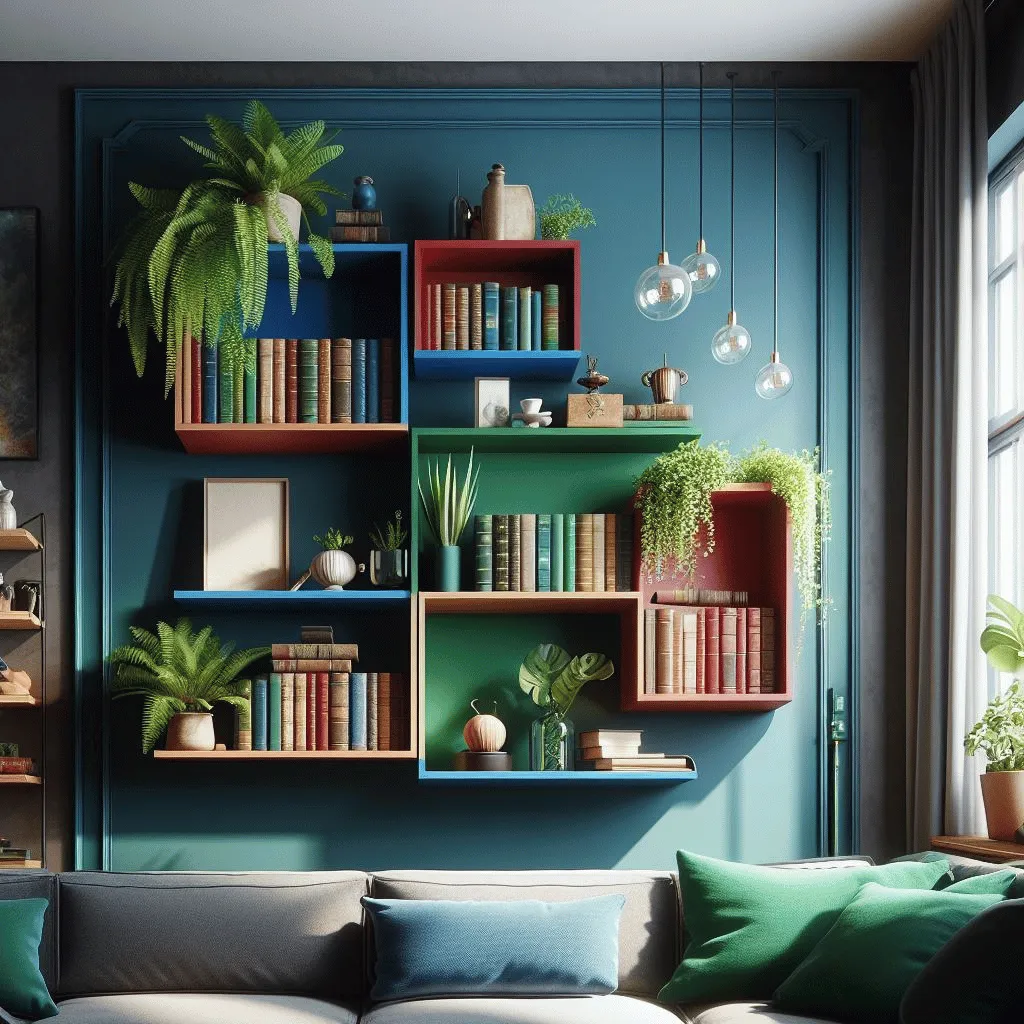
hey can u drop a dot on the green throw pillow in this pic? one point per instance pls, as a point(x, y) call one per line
point(750, 926)
point(22, 989)
point(999, 883)
point(861, 969)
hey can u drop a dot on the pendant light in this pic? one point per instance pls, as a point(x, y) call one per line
point(775, 379)
point(664, 290)
point(731, 343)
point(701, 266)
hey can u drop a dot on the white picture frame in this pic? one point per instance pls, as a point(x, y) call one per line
point(245, 533)
point(492, 401)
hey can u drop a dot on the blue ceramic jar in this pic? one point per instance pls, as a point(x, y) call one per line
point(364, 195)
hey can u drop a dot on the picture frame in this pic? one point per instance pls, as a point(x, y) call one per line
point(19, 332)
point(245, 533)
point(492, 401)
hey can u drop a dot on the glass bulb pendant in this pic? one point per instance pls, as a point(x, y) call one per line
point(731, 343)
point(662, 291)
point(773, 380)
point(702, 268)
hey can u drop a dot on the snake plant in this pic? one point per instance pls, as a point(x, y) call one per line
point(446, 505)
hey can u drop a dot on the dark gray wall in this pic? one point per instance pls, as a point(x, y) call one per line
point(1004, 36)
point(36, 110)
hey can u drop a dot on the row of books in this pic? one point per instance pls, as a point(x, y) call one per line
point(293, 380)
point(709, 650)
point(489, 316)
point(17, 766)
point(554, 552)
point(618, 750)
point(325, 711)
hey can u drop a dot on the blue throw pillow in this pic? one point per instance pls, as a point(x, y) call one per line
point(521, 948)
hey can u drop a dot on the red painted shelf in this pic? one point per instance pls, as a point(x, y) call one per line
point(290, 438)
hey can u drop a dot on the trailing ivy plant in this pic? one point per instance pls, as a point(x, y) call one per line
point(563, 214)
point(194, 262)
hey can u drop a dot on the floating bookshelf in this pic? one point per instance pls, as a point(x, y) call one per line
point(433, 364)
point(291, 438)
point(21, 780)
point(292, 600)
point(19, 700)
point(551, 440)
point(24, 621)
point(528, 778)
point(18, 540)
point(284, 755)
point(20, 865)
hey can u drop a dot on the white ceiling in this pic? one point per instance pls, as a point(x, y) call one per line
point(468, 30)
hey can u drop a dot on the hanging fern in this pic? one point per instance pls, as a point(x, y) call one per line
point(194, 263)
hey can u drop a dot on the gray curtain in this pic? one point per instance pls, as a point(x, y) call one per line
point(947, 443)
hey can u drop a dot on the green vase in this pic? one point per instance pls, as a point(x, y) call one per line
point(448, 567)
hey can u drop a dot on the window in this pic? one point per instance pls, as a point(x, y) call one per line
point(1006, 384)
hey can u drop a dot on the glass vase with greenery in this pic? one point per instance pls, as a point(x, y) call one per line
point(553, 680)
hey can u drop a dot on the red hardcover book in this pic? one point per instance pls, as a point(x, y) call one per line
point(741, 650)
point(701, 649)
point(196, 356)
point(311, 743)
point(712, 667)
point(753, 650)
point(323, 697)
point(387, 380)
point(291, 380)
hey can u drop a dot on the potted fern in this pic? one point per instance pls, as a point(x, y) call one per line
point(448, 506)
point(194, 262)
point(999, 735)
point(180, 675)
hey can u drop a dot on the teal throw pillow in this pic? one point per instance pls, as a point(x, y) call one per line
point(999, 883)
point(861, 969)
point(468, 948)
point(22, 988)
point(750, 926)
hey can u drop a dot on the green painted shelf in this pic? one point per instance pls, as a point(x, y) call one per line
point(568, 440)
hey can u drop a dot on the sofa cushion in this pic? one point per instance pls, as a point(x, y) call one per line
point(202, 1008)
point(22, 988)
point(276, 932)
point(648, 928)
point(746, 1013)
point(615, 1009)
point(37, 885)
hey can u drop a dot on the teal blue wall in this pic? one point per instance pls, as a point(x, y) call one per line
point(138, 517)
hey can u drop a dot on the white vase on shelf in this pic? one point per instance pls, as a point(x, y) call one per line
point(333, 569)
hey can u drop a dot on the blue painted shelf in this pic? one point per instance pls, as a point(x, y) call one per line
point(293, 600)
point(555, 778)
point(432, 364)
point(346, 257)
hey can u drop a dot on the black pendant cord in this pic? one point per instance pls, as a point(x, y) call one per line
point(732, 190)
point(775, 258)
point(663, 156)
point(700, 156)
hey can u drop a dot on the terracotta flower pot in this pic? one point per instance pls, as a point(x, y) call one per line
point(191, 730)
point(1003, 793)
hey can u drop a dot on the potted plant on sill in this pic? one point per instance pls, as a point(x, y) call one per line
point(389, 560)
point(999, 735)
point(448, 506)
point(194, 262)
point(334, 566)
point(180, 675)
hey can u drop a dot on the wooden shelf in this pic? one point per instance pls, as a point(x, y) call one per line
point(284, 755)
point(293, 600)
point(519, 603)
point(18, 540)
point(566, 440)
point(19, 621)
point(528, 778)
point(709, 701)
point(979, 848)
point(21, 865)
point(18, 700)
point(431, 364)
point(20, 780)
point(291, 438)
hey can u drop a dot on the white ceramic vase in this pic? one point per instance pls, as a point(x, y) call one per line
point(191, 730)
point(333, 569)
point(292, 210)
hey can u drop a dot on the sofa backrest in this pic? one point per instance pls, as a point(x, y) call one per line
point(648, 928)
point(270, 932)
point(25, 885)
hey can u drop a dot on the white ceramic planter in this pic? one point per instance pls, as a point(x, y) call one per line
point(191, 730)
point(333, 569)
point(292, 210)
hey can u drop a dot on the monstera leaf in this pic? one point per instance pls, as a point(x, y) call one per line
point(553, 679)
point(1002, 640)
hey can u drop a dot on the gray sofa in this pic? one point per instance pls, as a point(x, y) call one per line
point(293, 948)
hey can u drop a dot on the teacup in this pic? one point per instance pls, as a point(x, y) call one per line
point(531, 405)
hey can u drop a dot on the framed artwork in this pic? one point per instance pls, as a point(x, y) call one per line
point(19, 333)
point(245, 534)
point(492, 402)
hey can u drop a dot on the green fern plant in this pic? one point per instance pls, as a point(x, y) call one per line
point(332, 539)
point(563, 214)
point(176, 670)
point(194, 262)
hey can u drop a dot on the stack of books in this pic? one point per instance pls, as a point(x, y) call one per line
point(708, 649)
point(360, 226)
point(542, 552)
point(17, 766)
point(489, 316)
point(663, 413)
point(293, 380)
point(13, 857)
point(312, 700)
point(618, 750)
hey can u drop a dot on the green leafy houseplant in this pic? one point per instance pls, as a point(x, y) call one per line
point(332, 539)
point(392, 537)
point(447, 504)
point(194, 262)
point(563, 214)
point(553, 680)
point(177, 671)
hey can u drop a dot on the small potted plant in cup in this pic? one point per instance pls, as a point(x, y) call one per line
point(447, 506)
point(389, 559)
point(334, 566)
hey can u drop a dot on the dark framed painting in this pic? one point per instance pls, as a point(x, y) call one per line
point(19, 333)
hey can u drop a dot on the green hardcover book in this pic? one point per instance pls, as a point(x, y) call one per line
point(238, 394)
point(525, 317)
point(484, 562)
point(549, 319)
point(274, 712)
point(499, 546)
point(225, 392)
point(557, 550)
point(249, 398)
point(309, 391)
point(243, 717)
point(569, 554)
point(544, 552)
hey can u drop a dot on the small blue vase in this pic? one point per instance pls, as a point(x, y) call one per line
point(364, 195)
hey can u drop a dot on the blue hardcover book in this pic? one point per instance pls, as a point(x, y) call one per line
point(509, 318)
point(226, 392)
point(357, 711)
point(372, 380)
point(492, 315)
point(569, 554)
point(209, 356)
point(259, 713)
point(536, 303)
point(274, 711)
point(525, 310)
point(544, 552)
point(358, 380)
point(557, 550)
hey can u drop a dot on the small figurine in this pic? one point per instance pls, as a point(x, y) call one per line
point(592, 380)
point(8, 516)
point(664, 382)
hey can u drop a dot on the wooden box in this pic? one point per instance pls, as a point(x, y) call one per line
point(594, 410)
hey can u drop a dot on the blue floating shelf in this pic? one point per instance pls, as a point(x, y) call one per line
point(345, 255)
point(555, 778)
point(293, 600)
point(432, 364)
